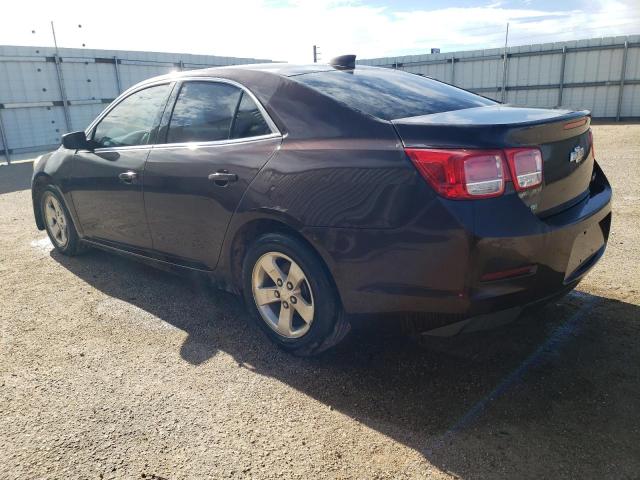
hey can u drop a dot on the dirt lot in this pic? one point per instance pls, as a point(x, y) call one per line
point(111, 369)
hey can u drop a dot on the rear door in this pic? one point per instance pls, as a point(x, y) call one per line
point(106, 182)
point(217, 137)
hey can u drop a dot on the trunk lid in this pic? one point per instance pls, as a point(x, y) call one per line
point(562, 136)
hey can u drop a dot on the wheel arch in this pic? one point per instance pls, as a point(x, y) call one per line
point(40, 181)
point(250, 231)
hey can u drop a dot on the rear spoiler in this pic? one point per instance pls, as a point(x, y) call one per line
point(492, 126)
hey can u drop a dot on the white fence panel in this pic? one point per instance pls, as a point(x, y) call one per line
point(33, 114)
point(601, 74)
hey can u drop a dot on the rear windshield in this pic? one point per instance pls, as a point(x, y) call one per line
point(391, 94)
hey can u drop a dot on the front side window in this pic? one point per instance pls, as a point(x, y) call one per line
point(131, 121)
point(210, 111)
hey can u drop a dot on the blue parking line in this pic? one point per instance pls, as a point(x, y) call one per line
point(557, 339)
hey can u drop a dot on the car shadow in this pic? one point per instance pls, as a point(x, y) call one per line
point(16, 176)
point(452, 400)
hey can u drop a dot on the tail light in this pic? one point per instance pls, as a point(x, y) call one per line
point(465, 174)
point(526, 167)
point(460, 174)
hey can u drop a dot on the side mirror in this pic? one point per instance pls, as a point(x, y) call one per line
point(76, 141)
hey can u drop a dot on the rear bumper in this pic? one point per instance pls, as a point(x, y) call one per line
point(562, 249)
point(435, 264)
point(490, 320)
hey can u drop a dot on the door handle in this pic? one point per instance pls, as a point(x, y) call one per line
point(223, 178)
point(128, 177)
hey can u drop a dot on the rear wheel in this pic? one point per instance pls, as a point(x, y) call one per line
point(291, 295)
point(60, 228)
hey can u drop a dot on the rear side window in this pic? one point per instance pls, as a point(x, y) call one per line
point(391, 94)
point(210, 111)
point(203, 112)
point(249, 122)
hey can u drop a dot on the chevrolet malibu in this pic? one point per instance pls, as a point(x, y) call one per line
point(325, 193)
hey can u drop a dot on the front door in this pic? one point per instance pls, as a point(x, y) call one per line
point(217, 139)
point(106, 182)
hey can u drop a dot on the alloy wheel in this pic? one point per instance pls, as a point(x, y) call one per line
point(56, 219)
point(283, 295)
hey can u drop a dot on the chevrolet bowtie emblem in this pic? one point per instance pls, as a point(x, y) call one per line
point(577, 155)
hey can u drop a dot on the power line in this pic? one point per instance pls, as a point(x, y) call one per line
point(524, 21)
point(495, 34)
point(564, 34)
point(496, 30)
point(494, 39)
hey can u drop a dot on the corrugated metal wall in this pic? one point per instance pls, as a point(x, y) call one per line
point(32, 111)
point(600, 74)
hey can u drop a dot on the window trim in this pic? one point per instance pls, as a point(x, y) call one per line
point(173, 99)
point(90, 130)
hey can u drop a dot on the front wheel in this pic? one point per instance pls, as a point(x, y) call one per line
point(58, 223)
point(291, 295)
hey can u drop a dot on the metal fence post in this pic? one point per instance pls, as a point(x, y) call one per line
point(504, 66)
point(63, 92)
point(623, 72)
point(5, 145)
point(118, 82)
point(453, 70)
point(562, 64)
point(503, 89)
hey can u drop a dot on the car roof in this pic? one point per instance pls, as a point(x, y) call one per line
point(274, 86)
point(281, 69)
point(229, 71)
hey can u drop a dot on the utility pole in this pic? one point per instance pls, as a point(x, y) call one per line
point(63, 90)
point(504, 65)
point(315, 54)
point(53, 31)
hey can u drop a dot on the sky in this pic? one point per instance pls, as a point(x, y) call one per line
point(287, 29)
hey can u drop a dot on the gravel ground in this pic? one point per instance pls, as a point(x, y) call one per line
point(111, 369)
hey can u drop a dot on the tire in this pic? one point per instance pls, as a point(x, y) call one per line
point(285, 316)
point(58, 223)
